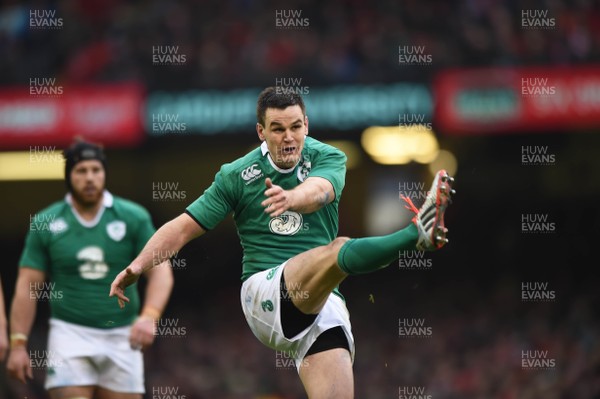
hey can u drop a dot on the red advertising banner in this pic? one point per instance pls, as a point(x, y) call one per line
point(46, 113)
point(503, 100)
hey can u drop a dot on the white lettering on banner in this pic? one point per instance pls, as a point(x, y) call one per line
point(111, 113)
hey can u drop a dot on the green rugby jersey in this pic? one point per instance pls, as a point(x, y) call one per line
point(239, 188)
point(81, 259)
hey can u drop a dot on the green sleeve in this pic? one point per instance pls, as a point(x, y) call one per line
point(35, 253)
point(215, 203)
point(331, 165)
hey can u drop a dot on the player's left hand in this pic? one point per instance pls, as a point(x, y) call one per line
point(122, 281)
point(278, 201)
point(142, 333)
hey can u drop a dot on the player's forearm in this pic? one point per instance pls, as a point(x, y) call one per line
point(166, 242)
point(311, 195)
point(161, 245)
point(158, 290)
point(23, 309)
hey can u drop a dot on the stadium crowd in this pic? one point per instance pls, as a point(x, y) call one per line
point(229, 44)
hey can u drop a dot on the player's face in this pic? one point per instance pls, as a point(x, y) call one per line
point(87, 181)
point(284, 132)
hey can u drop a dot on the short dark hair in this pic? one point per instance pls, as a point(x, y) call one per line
point(272, 98)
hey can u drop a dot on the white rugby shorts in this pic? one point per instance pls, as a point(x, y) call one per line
point(80, 356)
point(260, 296)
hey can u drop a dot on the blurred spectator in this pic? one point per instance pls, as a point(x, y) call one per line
point(231, 44)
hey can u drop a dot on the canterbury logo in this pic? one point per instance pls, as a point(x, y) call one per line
point(251, 173)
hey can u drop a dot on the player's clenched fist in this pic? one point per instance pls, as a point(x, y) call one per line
point(123, 280)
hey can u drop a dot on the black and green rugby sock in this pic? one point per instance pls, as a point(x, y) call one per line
point(364, 255)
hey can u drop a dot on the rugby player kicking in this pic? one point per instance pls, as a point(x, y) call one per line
point(284, 197)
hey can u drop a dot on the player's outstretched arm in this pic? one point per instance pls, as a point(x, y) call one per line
point(22, 314)
point(310, 196)
point(169, 239)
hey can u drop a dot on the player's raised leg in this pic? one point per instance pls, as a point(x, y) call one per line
point(318, 271)
point(311, 276)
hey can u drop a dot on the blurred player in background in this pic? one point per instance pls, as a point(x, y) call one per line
point(93, 349)
point(3, 334)
point(293, 260)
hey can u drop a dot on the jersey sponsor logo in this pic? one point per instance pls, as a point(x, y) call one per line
point(303, 169)
point(116, 230)
point(251, 173)
point(58, 226)
point(93, 266)
point(286, 224)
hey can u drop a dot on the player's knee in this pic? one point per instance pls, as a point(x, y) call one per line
point(334, 247)
point(337, 243)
